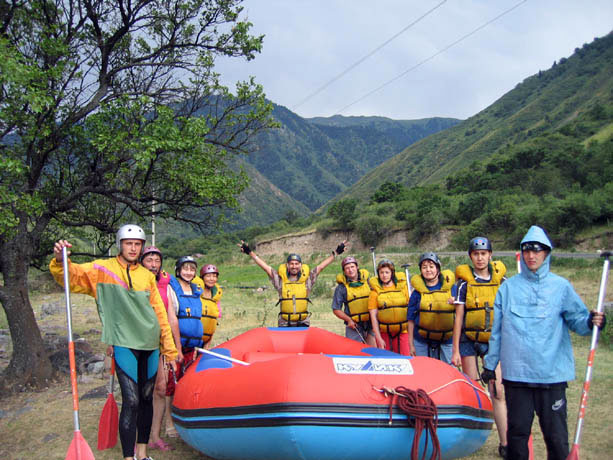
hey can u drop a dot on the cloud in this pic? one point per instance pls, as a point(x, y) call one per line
point(309, 43)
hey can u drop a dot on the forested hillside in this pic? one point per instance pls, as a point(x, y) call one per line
point(543, 103)
point(541, 154)
point(312, 160)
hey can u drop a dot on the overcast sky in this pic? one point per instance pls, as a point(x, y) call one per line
point(310, 42)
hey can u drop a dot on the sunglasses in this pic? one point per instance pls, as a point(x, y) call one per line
point(533, 246)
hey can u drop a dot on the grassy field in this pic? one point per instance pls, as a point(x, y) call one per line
point(39, 424)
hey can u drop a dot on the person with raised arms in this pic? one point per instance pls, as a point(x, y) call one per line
point(134, 322)
point(294, 282)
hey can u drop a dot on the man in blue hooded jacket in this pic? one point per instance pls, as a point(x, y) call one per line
point(533, 313)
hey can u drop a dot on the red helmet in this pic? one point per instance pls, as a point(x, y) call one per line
point(208, 268)
point(151, 250)
point(349, 260)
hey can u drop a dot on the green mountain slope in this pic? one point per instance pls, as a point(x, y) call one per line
point(541, 104)
point(312, 160)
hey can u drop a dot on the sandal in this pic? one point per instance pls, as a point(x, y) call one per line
point(161, 445)
point(171, 432)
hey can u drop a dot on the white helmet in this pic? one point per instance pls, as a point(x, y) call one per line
point(130, 231)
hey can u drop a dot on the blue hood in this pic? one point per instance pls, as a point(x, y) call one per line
point(536, 233)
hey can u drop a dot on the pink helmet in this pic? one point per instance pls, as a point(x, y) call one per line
point(349, 260)
point(151, 250)
point(208, 268)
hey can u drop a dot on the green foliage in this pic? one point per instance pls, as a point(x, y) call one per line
point(372, 229)
point(344, 213)
point(388, 191)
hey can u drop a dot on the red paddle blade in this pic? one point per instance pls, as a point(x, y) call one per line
point(108, 425)
point(530, 448)
point(79, 449)
point(574, 453)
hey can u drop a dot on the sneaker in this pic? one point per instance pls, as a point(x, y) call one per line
point(146, 458)
point(502, 451)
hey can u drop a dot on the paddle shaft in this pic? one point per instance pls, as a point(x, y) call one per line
point(406, 273)
point(220, 356)
point(374, 261)
point(593, 345)
point(71, 353)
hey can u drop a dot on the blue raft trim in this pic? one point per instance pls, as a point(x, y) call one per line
point(324, 415)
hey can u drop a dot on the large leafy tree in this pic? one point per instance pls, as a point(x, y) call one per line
point(105, 108)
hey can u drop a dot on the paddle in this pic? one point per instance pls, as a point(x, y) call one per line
point(220, 356)
point(78, 449)
point(109, 419)
point(574, 453)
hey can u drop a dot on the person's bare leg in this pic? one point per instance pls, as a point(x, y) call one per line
point(500, 408)
point(159, 402)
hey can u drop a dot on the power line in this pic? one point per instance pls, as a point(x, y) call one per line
point(431, 57)
point(362, 59)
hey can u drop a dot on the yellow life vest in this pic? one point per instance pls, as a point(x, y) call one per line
point(479, 307)
point(436, 316)
point(357, 296)
point(294, 299)
point(392, 305)
point(210, 313)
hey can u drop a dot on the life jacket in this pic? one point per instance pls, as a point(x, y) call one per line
point(357, 295)
point(436, 316)
point(294, 299)
point(210, 312)
point(163, 287)
point(479, 307)
point(189, 315)
point(392, 305)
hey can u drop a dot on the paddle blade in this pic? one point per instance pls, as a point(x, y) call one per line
point(530, 448)
point(108, 424)
point(79, 449)
point(574, 453)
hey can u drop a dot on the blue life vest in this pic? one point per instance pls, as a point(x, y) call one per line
point(189, 314)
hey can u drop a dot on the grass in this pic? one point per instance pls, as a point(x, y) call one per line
point(39, 424)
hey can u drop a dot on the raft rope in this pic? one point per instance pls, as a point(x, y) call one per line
point(419, 407)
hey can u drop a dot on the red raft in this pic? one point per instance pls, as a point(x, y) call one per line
point(306, 393)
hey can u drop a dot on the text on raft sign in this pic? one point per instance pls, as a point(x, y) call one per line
point(381, 366)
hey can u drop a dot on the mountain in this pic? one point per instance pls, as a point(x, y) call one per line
point(541, 104)
point(312, 160)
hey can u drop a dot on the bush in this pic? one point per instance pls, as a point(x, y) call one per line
point(372, 229)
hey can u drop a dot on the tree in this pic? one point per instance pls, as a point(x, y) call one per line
point(105, 109)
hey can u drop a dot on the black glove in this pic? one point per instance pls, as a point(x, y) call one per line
point(245, 248)
point(488, 375)
point(590, 323)
point(340, 248)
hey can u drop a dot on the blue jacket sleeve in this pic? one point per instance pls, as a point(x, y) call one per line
point(575, 312)
point(493, 354)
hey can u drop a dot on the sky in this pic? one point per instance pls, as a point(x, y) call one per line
point(442, 57)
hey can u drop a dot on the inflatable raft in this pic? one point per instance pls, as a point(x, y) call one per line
point(306, 393)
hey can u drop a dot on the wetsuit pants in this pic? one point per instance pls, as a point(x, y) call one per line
point(136, 372)
point(549, 403)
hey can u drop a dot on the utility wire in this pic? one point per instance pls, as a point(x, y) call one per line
point(431, 57)
point(362, 59)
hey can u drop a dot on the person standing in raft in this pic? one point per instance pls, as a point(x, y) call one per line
point(293, 281)
point(350, 301)
point(387, 306)
point(134, 322)
point(474, 316)
point(432, 309)
point(152, 259)
point(533, 313)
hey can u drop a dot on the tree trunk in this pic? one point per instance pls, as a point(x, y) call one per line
point(30, 364)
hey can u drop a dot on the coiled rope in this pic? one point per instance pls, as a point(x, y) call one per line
point(420, 408)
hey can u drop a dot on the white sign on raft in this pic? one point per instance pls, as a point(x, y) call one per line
point(383, 366)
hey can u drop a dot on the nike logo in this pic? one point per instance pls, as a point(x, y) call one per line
point(557, 405)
